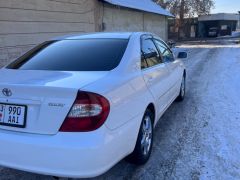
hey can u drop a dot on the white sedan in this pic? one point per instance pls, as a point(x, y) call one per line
point(75, 106)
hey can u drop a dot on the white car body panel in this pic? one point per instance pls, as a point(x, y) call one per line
point(40, 91)
point(73, 155)
point(157, 80)
point(129, 90)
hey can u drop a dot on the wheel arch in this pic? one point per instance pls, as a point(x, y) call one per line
point(184, 73)
point(151, 107)
point(133, 157)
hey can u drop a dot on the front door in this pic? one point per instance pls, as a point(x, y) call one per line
point(175, 71)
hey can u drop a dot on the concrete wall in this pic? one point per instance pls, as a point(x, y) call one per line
point(157, 24)
point(25, 23)
point(123, 19)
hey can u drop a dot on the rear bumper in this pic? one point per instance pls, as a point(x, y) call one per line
point(76, 155)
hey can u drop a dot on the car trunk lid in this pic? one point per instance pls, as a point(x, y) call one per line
point(48, 96)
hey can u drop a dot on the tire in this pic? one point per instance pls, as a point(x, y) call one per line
point(143, 147)
point(182, 93)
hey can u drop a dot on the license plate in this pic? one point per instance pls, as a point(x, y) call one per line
point(13, 115)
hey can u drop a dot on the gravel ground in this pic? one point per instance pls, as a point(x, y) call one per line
point(195, 139)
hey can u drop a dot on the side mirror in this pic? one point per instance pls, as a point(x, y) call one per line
point(182, 55)
point(171, 44)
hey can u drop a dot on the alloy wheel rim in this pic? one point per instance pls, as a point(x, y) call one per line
point(147, 135)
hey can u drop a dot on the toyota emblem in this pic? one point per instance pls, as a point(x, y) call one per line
point(7, 92)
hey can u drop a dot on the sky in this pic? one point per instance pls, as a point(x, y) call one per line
point(226, 6)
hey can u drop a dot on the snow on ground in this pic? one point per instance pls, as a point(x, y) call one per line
point(216, 123)
point(198, 138)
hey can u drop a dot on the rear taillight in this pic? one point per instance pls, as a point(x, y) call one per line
point(88, 113)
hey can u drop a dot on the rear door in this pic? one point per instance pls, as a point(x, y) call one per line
point(175, 71)
point(154, 71)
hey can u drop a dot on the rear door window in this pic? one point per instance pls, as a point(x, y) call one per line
point(149, 52)
point(74, 55)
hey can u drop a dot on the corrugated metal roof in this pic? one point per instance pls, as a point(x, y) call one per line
point(143, 5)
point(218, 17)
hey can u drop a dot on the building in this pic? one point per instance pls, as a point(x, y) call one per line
point(223, 24)
point(26, 23)
point(190, 28)
point(204, 26)
point(238, 21)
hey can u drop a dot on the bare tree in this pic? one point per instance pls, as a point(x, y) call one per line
point(186, 8)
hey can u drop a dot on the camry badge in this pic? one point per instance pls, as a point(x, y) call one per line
point(7, 92)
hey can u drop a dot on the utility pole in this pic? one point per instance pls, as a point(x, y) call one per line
point(239, 21)
point(181, 19)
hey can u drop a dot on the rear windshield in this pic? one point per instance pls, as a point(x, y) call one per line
point(73, 55)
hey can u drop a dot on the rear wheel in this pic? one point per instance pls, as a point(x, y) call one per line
point(143, 146)
point(181, 95)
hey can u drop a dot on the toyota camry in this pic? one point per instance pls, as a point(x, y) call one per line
point(74, 106)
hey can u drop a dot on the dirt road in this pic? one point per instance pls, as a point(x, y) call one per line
point(198, 138)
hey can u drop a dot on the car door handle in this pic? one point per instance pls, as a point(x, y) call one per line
point(150, 79)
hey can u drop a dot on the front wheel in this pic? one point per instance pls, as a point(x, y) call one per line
point(143, 146)
point(182, 93)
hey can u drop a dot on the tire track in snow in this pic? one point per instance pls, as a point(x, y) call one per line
point(188, 130)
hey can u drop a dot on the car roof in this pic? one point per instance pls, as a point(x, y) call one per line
point(109, 35)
